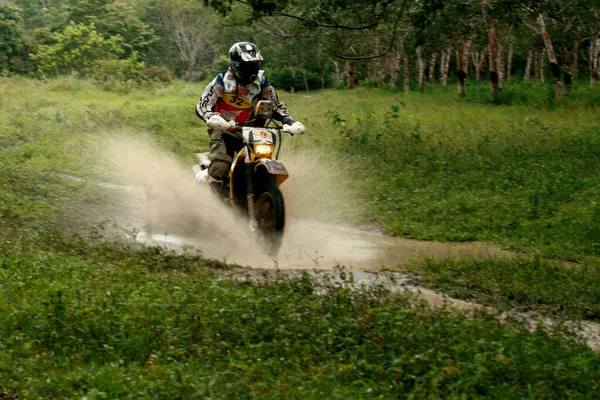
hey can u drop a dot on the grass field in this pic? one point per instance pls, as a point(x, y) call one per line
point(81, 316)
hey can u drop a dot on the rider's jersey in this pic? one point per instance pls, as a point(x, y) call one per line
point(233, 101)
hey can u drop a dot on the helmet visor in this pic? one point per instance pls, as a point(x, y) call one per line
point(246, 70)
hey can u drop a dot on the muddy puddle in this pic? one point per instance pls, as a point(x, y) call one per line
point(320, 245)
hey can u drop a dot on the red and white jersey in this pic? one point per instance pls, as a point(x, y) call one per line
point(233, 101)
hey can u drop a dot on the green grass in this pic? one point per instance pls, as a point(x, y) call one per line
point(434, 168)
point(83, 315)
point(106, 321)
point(527, 285)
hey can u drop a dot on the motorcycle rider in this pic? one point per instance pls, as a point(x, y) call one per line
point(227, 101)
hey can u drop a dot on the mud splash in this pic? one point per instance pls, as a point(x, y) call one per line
point(171, 210)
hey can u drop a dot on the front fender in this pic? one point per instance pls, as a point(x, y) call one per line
point(273, 167)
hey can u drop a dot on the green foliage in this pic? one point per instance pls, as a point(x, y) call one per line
point(81, 49)
point(12, 44)
point(114, 18)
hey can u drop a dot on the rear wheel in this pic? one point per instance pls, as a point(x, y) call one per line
point(270, 217)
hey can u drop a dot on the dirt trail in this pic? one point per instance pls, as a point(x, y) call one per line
point(171, 210)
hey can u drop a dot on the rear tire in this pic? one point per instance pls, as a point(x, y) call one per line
point(270, 217)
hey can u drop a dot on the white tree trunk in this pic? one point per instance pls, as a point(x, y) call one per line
point(445, 65)
point(462, 59)
point(305, 79)
point(500, 64)
point(509, 63)
point(478, 59)
point(528, 67)
point(421, 69)
point(558, 88)
point(538, 65)
point(543, 65)
point(442, 66)
point(406, 76)
point(432, 67)
point(594, 50)
point(475, 60)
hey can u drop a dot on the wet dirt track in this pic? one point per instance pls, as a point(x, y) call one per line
point(314, 244)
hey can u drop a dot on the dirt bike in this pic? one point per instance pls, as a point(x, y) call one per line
point(255, 176)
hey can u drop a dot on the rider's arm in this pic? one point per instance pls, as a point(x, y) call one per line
point(280, 111)
point(211, 95)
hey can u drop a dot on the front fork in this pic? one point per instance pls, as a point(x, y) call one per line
point(249, 171)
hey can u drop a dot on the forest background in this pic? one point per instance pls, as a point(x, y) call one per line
point(309, 44)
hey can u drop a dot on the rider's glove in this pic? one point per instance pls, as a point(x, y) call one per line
point(297, 128)
point(219, 123)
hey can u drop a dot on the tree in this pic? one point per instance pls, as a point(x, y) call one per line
point(12, 46)
point(188, 35)
point(81, 49)
point(112, 18)
point(456, 22)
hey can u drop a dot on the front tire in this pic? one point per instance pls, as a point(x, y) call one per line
point(270, 217)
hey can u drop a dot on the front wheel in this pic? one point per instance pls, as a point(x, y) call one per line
point(270, 217)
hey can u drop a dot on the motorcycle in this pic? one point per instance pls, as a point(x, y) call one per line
point(255, 175)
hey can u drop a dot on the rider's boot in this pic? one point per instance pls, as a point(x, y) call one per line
point(218, 189)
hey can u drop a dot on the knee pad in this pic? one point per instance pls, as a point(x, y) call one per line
point(218, 170)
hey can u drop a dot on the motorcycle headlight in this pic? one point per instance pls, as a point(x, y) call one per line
point(263, 150)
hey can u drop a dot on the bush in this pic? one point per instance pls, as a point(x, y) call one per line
point(118, 70)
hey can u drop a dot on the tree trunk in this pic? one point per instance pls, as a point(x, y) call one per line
point(509, 63)
point(305, 79)
point(493, 49)
point(558, 90)
point(476, 58)
point(500, 65)
point(406, 75)
point(375, 73)
point(543, 66)
point(394, 67)
point(421, 69)
point(351, 72)
point(528, 67)
point(567, 73)
point(442, 65)
point(432, 67)
point(293, 88)
point(462, 59)
point(338, 78)
point(446, 66)
point(594, 50)
point(538, 65)
point(479, 63)
point(575, 57)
